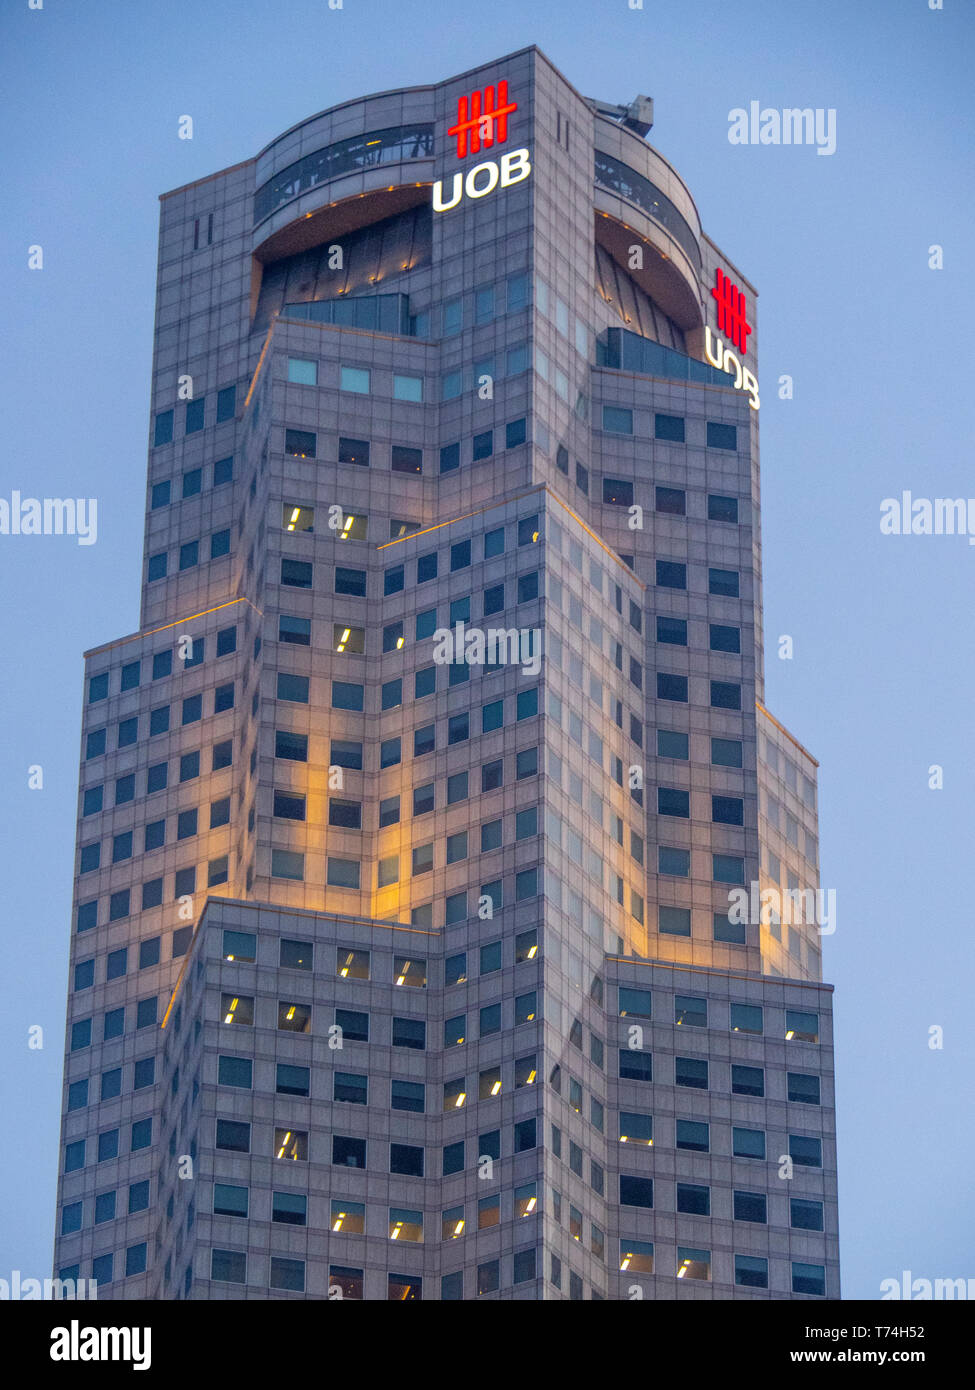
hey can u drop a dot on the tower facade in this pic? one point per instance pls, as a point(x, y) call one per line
point(445, 905)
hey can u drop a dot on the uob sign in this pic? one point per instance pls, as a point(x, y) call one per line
point(482, 121)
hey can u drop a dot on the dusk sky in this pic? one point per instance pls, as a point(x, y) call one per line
point(876, 342)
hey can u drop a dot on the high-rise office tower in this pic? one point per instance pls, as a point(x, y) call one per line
point(408, 956)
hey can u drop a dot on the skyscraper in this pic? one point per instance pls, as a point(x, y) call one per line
point(445, 920)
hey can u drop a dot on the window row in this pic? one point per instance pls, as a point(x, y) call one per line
point(113, 1024)
point(352, 1088)
point(619, 420)
point(751, 1271)
point(409, 458)
point(105, 1146)
point(355, 963)
point(190, 484)
point(189, 555)
point(349, 1151)
point(81, 1093)
point(191, 652)
point(692, 1012)
point(127, 730)
point(637, 1065)
point(349, 1218)
point(350, 695)
point(184, 885)
point(195, 415)
point(352, 1025)
point(104, 1207)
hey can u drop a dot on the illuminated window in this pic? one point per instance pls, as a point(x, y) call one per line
point(747, 1018)
point(291, 1144)
point(801, 1027)
point(349, 1281)
point(526, 1072)
point(455, 1031)
point(636, 1127)
point(525, 1008)
point(296, 516)
point(410, 971)
point(690, 1012)
point(354, 451)
point(299, 443)
point(297, 955)
point(393, 638)
point(636, 1256)
point(348, 1217)
point(526, 1199)
point(455, 1094)
point(405, 1224)
point(236, 1009)
point(294, 1018)
point(452, 1223)
point(526, 945)
point(354, 527)
point(693, 1264)
point(455, 969)
point(348, 639)
point(634, 1003)
point(489, 1083)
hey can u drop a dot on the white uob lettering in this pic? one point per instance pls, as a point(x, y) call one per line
point(726, 361)
point(483, 179)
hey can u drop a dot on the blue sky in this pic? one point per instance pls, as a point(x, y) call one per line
point(879, 686)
